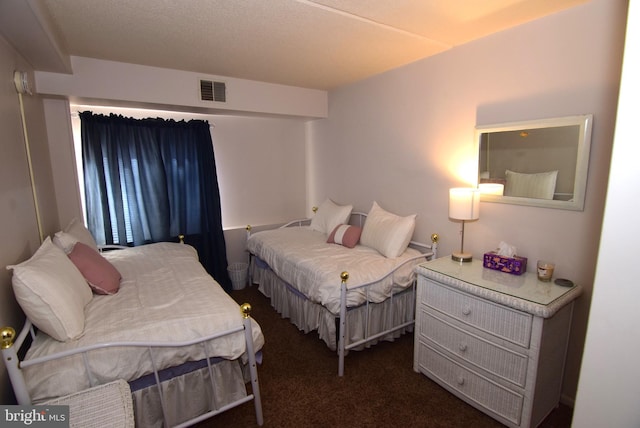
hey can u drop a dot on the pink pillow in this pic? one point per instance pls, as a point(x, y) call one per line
point(102, 276)
point(346, 235)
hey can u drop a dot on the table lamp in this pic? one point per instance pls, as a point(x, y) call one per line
point(464, 205)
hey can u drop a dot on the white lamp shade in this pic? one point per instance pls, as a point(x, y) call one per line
point(464, 203)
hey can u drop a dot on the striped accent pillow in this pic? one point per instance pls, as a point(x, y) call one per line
point(345, 235)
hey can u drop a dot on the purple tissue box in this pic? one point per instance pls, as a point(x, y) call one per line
point(513, 265)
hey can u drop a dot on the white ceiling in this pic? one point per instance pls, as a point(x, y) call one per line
point(318, 44)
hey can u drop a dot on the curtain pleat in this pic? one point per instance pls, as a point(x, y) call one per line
point(150, 180)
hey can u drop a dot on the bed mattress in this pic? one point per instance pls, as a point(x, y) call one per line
point(302, 258)
point(165, 296)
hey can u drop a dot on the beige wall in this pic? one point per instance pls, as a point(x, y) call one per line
point(18, 225)
point(405, 137)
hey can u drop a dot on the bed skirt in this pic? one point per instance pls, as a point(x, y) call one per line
point(190, 395)
point(309, 316)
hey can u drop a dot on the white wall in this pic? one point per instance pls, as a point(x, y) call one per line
point(261, 169)
point(115, 83)
point(405, 137)
point(65, 177)
point(608, 393)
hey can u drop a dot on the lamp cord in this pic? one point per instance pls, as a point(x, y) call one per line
point(31, 176)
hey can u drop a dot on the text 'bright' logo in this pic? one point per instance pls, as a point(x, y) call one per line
point(38, 415)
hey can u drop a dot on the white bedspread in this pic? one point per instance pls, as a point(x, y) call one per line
point(302, 258)
point(165, 296)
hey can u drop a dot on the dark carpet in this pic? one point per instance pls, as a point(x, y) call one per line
point(300, 387)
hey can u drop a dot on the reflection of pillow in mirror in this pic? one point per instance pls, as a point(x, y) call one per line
point(541, 185)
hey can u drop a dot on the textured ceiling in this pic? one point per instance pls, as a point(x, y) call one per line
point(315, 44)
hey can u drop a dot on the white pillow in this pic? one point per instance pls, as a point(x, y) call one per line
point(52, 292)
point(74, 232)
point(330, 215)
point(387, 233)
point(541, 185)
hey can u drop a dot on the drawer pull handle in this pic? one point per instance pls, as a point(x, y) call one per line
point(462, 347)
point(460, 380)
point(466, 311)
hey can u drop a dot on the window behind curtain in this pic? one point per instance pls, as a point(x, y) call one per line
point(150, 180)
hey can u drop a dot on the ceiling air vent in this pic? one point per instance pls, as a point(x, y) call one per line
point(213, 91)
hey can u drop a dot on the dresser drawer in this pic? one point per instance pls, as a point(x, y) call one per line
point(497, 360)
point(501, 321)
point(470, 386)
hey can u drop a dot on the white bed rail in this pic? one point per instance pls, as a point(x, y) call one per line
point(357, 219)
point(427, 251)
point(11, 344)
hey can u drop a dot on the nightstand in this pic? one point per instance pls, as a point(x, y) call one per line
point(495, 340)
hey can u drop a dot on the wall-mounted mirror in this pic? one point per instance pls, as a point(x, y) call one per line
point(537, 163)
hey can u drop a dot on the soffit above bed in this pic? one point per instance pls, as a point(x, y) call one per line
point(319, 44)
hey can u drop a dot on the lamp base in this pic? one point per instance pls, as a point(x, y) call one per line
point(461, 257)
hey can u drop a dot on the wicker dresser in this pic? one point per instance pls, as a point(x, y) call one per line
point(495, 340)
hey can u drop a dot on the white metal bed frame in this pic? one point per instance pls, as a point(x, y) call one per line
point(11, 344)
point(428, 251)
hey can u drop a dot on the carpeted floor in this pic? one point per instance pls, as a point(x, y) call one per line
point(300, 387)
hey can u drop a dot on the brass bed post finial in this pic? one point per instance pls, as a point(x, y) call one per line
point(245, 308)
point(8, 336)
point(344, 276)
point(434, 245)
point(181, 238)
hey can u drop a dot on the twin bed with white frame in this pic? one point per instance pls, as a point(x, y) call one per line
point(153, 317)
point(347, 275)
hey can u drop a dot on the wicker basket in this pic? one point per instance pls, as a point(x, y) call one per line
point(238, 273)
point(108, 405)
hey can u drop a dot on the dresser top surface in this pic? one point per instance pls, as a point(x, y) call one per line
point(524, 292)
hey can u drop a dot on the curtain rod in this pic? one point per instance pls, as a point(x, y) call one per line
point(75, 115)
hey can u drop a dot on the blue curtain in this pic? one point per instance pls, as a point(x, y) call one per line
point(150, 180)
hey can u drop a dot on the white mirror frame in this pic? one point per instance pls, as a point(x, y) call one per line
point(582, 162)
